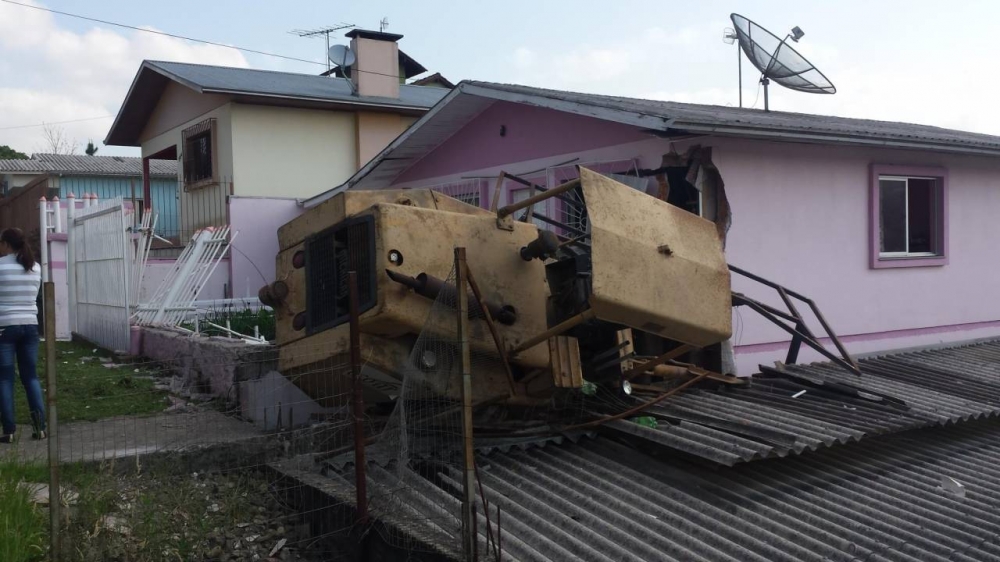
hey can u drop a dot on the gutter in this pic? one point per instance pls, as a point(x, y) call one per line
point(347, 102)
point(819, 138)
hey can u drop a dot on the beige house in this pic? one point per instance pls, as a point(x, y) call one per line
point(243, 132)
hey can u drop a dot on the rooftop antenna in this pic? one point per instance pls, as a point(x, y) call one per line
point(344, 57)
point(383, 24)
point(729, 36)
point(322, 31)
point(779, 61)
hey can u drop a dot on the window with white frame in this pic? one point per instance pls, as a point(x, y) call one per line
point(468, 192)
point(520, 192)
point(911, 219)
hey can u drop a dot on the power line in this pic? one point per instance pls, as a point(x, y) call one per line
point(132, 27)
point(206, 42)
point(55, 122)
point(185, 38)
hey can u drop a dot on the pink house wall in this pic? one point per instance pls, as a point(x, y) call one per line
point(508, 132)
point(800, 217)
point(257, 220)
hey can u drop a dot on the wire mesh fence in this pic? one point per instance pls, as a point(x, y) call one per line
point(203, 448)
point(201, 452)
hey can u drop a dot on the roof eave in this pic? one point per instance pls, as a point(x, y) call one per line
point(824, 138)
point(249, 96)
point(109, 139)
point(121, 109)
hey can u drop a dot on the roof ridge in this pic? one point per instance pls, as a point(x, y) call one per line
point(699, 106)
point(262, 70)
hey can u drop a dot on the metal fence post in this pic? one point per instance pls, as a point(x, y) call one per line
point(71, 259)
point(358, 403)
point(43, 236)
point(469, 481)
point(55, 497)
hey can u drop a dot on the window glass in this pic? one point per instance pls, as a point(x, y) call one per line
point(892, 219)
point(921, 215)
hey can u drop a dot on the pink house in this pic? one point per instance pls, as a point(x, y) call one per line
point(889, 227)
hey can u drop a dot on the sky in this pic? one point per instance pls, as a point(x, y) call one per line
point(915, 61)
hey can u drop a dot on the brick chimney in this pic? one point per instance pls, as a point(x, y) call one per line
point(376, 69)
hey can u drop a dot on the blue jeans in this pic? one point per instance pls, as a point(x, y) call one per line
point(20, 344)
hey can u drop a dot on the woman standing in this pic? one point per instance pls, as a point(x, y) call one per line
point(20, 279)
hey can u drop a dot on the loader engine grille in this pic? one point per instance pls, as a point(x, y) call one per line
point(330, 255)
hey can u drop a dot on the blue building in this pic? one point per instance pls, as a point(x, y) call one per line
point(105, 176)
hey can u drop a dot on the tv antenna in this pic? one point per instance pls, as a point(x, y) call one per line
point(322, 31)
point(777, 60)
point(729, 36)
point(383, 24)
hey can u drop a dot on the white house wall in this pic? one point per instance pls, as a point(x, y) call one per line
point(286, 152)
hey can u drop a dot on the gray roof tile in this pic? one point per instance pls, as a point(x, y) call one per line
point(247, 81)
point(82, 165)
point(599, 500)
point(687, 114)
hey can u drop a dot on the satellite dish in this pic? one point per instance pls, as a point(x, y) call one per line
point(342, 56)
point(778, 61)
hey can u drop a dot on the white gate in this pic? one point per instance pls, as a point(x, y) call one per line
point(101, 277)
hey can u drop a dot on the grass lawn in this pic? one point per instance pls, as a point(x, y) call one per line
point(145, 517)
point(87, 390)
point(23, 526)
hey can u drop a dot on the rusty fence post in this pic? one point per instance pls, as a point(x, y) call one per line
point(357, 403)
point(469, 481)
point(55, 497)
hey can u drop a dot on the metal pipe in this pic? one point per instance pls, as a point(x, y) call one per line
point(672, 354)
point(513, 208)
point(542, 189)
point(563, 326)
point(497, 340)
point(431, 287)
point(469, 532)
point(55, 497)
point(358, 402)
point(563, 226)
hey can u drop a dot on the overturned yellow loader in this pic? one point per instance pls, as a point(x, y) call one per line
point(629, 274)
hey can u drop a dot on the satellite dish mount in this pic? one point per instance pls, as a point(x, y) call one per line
point(344, 57)
point(777, 60)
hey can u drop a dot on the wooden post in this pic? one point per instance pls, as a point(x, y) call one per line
point(358, 403)
point(55, 497)
point(469, 482)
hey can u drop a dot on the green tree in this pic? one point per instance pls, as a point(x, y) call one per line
point(91, 148)
point(8, 153)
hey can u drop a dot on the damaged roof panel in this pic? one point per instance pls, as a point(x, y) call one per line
point(901, 498)
point(765, 419)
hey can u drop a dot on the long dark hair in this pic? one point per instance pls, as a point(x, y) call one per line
point(14, 237)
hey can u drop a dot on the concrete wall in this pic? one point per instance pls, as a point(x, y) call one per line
point(375, 131)
point(256, 219)
point(287, 152)
point(15, 181)
point(800, 217)
point(178, 106)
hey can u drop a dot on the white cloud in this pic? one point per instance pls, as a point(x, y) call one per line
point(49, 73)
